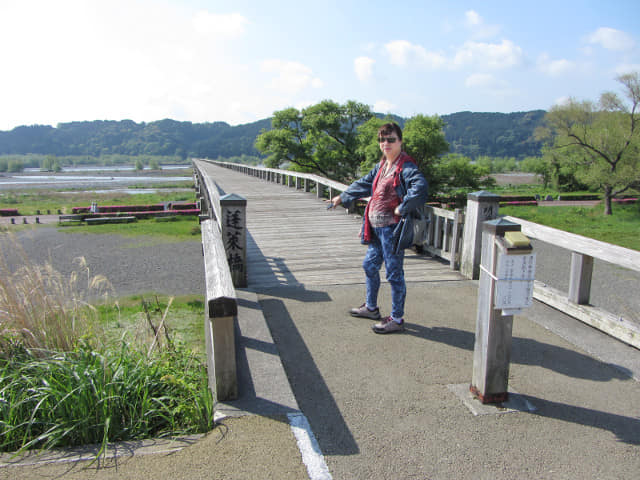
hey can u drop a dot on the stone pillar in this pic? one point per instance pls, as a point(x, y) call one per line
point(481, 206)
point(234, 236)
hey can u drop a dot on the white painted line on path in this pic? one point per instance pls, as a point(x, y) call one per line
point(308, 445)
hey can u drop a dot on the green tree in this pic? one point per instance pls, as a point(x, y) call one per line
point(322, 138)
point(458, 176)
point(139, 164)
point(563, 171)
point(368, 146)
point(46, 164)
point(601, 140)
point(15, 166)
point(424, 140)
point(539, 166)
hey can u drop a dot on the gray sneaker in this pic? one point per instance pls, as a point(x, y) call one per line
point(387, 325)
point(364, 312)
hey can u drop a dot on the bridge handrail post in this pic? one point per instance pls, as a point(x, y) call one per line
point(481, 206)
point(580, 278)
point(493, 337)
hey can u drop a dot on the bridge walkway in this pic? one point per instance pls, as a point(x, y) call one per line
point(294, 240)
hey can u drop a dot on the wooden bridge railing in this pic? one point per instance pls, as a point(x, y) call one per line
point(576, 302)
point(221, 300)
point(456, 236)
point(440, 235)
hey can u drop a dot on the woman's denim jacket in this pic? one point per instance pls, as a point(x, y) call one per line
point(412, 190)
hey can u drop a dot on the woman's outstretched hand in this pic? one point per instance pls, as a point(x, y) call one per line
point(334, 202)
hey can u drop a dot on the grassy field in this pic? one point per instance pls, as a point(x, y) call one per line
point(156, 230)
point(621, 228)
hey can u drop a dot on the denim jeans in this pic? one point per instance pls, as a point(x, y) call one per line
point(380, 249)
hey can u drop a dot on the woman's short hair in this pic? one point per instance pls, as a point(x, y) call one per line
point(389, 128)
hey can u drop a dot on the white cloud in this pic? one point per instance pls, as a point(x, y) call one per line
point(493, 55)
point(554, 68)
point(290, 77)
point(403, 53)
point(472, 18)
point(611, 39)
point(89, 60)
point(489, 84)
point(230, 25)
point(627, 68)
point(475, 23)
point(383, 106)
point(363, 66)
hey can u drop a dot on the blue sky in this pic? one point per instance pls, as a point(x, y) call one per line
point(238, 62)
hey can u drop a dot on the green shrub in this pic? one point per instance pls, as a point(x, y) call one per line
point(86, 397)
point(71, 375)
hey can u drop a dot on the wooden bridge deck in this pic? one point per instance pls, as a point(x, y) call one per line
point(293, 240)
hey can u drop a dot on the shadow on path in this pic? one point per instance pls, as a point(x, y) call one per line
point(626, 429)
point(309, 387)
point(526, 351)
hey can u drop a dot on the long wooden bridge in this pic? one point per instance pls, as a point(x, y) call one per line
point(293, 239)
point(289, 238)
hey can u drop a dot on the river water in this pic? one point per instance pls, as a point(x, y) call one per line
point(95, 179)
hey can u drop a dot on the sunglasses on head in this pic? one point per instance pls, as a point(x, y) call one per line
point(387, 139)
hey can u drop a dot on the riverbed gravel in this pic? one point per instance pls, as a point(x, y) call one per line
point(133, 265)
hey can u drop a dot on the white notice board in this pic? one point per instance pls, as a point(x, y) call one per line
point(514, 281)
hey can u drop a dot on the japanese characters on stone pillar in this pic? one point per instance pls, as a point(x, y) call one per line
point(234, 236)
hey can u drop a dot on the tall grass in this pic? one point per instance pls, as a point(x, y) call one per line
point(64, 382)
point(40, 308)
point(86, 397)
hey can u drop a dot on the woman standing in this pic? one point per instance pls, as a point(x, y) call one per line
point(396, 188)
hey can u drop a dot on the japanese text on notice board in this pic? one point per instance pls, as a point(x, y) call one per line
point(514, 286)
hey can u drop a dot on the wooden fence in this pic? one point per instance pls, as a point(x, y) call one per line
point(576, 301)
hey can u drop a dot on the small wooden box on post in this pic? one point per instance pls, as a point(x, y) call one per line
point(233, 222)
point(507, 274)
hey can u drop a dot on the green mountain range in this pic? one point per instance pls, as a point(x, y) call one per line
point(470, 134)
